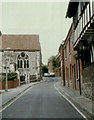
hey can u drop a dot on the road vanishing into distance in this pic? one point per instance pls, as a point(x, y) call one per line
point(41, 101)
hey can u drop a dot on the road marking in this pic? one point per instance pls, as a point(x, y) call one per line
point(71, 103)
point(15, 99)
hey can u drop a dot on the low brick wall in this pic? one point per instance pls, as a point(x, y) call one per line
point(11, 84)
point(88, 80)
point(0, 85)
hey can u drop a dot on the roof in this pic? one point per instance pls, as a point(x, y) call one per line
point(0, 41)
point(69, 33)
point(20, 42)
point(72, 8)
point(61, 45)
point(57, 56)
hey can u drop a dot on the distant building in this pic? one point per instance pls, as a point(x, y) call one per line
point(50, 66)
point(58, 68)
point(62, 60)
point(83, 22)
point(24, 58)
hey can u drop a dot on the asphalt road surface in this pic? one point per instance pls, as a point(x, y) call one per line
point(41, 101)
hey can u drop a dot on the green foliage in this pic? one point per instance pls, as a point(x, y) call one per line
point(44, 69)
point(12, 76)
point(54, 63)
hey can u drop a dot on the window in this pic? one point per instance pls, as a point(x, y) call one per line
point(24, 63)
point(27, 64)
point(21, 63)
point(23, 60)
point(22, 54)
point(18, 64)
point(86, 60)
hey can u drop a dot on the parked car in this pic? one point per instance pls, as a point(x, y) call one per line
point(52, 74)
point(46, 74)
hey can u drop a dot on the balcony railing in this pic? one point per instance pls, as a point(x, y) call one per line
point(84, 29)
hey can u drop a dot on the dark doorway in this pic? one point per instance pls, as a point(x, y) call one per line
point(22, 78)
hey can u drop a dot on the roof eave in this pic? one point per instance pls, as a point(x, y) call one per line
point(72, 7)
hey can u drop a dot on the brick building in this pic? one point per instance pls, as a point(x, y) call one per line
point(50, 66)
point(62, 60)
point(83, 22)
point(58, 68)
point(69, 67)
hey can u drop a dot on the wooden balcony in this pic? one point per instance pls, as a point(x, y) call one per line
point(85, 28)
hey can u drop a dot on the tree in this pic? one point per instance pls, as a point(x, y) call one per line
point(44, 69)
point(12, 76)
point(54, 63)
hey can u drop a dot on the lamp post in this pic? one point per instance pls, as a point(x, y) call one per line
point(7, 59)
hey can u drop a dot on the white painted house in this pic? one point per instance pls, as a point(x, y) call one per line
point(24, 56)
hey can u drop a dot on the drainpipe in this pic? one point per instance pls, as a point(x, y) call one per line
point(79, 76)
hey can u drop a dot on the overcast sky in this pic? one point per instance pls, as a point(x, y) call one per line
point(46, 19)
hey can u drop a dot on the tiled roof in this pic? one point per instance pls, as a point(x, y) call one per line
point(20, 42)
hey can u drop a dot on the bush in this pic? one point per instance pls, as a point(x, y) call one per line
point(44, 69)
point(55, 63)
point(12, 76)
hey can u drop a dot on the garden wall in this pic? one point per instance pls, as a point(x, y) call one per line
point(11, 84)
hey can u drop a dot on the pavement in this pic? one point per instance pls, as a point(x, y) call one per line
point(80, 101)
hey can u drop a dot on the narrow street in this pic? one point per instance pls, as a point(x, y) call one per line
point(41, 101)
point(47, 59)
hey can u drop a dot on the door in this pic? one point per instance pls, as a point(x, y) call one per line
point(22, 79)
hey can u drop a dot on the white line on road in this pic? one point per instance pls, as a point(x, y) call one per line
point(71, 103)
point(15, 99)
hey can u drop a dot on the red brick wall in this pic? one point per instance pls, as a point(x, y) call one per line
point(50, 67)
point(70, 60)
point(58, 72)
point(11, 84)
point(0, 85)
